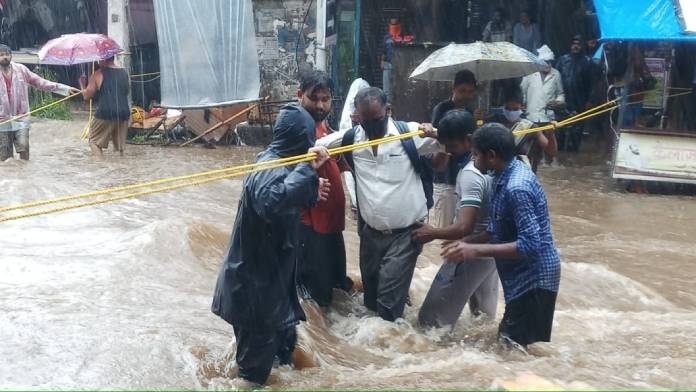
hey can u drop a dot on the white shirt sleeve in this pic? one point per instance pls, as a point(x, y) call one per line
point(331, 140)
point(524, 85)
point(470, 189)
point(425, 145)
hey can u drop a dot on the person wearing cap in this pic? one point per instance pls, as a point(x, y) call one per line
point(14, 101)
point(576, 73)
point(543, 91)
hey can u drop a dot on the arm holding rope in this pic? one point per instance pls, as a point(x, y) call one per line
point(90, 89)
point(40, 83)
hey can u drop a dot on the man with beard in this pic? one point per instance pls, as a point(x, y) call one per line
point(391, 200)
point(322, 257)
point(14, 101)
point(256, 290)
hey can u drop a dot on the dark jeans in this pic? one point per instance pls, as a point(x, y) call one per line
point(387, 262)
point(257, 350)
point(529, 317)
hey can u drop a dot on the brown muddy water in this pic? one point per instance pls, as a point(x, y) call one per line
point(118, 295)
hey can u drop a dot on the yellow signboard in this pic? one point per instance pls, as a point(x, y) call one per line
point(656, 157)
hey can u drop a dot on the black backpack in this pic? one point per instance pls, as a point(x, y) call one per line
point(422, 165)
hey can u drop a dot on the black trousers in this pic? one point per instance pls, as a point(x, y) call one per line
point(529, 317)
point(322, 264)
point(257, 350)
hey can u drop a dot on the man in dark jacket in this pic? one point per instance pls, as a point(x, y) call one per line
point(256, 290)
point(576, 73)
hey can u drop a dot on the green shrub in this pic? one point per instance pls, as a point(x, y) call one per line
point(38, 98)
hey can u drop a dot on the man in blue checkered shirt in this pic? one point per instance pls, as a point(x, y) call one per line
point(518, 236)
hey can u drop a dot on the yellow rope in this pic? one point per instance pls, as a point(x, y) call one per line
point(85, 131)
point(237, 171)
point(29, 113)
point(145, 74)
point(145, 193)
point(230, 173)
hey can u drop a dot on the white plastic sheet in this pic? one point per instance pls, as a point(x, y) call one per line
point(207, 52)
point(687, 15)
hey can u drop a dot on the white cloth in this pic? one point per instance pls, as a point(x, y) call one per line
point(350, 184)
point(349, 106)
point(444, 205)
point(390, 192)
point(538, 91)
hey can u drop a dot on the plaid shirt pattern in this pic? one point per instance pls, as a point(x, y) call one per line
point(519, 212)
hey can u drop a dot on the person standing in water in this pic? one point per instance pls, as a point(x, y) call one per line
point(457, 283)
point(391, 200)
point(322, 258)
point(256, 289)
point(110, 87)
point(446, 167)
point(14, 101)
point(518, 236)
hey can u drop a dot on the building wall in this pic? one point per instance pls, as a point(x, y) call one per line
point(286, 40)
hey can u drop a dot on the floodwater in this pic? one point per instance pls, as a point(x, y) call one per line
point(118, 295)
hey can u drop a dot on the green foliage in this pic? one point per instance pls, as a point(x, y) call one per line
point(38, 98)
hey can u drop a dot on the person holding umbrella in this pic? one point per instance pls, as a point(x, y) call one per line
point(109, 86)
point(14, 101)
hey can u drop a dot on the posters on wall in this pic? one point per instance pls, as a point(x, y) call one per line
point(655, 98)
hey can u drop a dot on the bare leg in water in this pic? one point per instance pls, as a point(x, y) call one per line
point(96, 150)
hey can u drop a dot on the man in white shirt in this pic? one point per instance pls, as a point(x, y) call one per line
point(543, 90)
point(391, 203)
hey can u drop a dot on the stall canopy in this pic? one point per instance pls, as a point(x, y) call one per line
point(644, 20)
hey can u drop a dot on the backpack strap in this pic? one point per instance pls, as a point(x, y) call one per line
point(349, 140)
point(410, 147)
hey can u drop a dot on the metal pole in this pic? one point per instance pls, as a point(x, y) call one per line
point(356, 38)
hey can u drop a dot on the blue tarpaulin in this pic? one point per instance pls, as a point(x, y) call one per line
point(627, 20)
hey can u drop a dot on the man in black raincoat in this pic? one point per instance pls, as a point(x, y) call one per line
point(256, 290)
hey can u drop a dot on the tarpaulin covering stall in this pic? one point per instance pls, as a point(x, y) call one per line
point(661, 155)
point(656, 20)
point(207, 52)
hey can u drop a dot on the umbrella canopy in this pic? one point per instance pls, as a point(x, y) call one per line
point(78, 48)
point(487, 60)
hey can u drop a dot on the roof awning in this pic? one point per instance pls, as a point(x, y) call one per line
point(627, 20)
point(25, 57)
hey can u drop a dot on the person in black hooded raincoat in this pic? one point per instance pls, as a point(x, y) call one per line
point(256, 289)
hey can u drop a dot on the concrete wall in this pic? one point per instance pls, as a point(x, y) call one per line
point(285, 38)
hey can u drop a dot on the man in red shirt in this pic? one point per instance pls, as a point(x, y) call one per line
point(322, 260)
